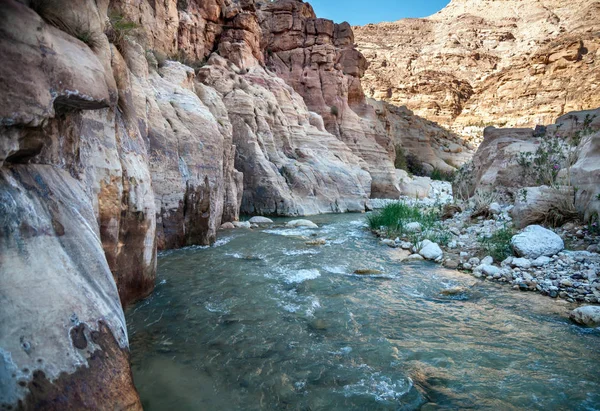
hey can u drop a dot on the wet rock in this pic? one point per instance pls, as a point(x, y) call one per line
point(451, 264)
point(227, 226)
point(368, 271)
point(587, 315)
point(260, 220)
point(242, 224)
point(317, 242)
point(301, 223)
point(454, 291)
point(388, 242)
point(536, 241)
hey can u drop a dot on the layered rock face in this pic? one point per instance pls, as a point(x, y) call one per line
point(111, 150)
point(497, 165)
point(318, 59)
point(434, 146)
point(516, 62)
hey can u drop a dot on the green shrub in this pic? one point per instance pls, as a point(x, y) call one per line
point(414, 165)
point(400, 162)
point(334, 110)
point(440, 175)
point(119, 28)
point(393, 218)
point(498, 244)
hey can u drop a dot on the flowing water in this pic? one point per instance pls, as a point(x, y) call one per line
point(261, 321)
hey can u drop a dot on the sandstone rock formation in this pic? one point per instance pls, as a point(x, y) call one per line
point(475, 63)
point(496, 166)
point(434, 146)
point(318, 59)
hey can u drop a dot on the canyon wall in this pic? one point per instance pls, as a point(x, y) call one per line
point(498, 165)
point(476, 63)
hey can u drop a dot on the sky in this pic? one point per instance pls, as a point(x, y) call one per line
point(361, 12)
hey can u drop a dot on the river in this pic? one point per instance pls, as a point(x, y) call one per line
point(261, 321)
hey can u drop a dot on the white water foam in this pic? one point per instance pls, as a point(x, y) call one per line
point(382, 388)
point(290, 232)
point(299, 276)
point(222, 241)
point(301, 252)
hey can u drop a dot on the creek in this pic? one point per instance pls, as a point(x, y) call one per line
point(262, 321)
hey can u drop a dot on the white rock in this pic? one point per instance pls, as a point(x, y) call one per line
point(467, 266)
point(474, 261)
point(388, 242)
point(414, 257)
point(488, 260)
point(521, 263)
point(432, 251)
point(541, 261)
point(260, 220)
point(405, 245)
point(413, 227)
point(495, 208)
point(536, 241)
point(242, 224)
point(301, 223)
point(507, 261)
point(588, 315)
point(487, 269)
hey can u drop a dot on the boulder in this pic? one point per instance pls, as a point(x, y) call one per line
point(388, 242)
point(242, 224)
point(301, 223)
point(521, 263)
point(260, 220)
point(588, 315)
point(541, 261)
point(538, 205)
point(536, 241)
point(227, 226)
point(431, 251)
point(416, 187)
point(488, 269)
point(489, 260)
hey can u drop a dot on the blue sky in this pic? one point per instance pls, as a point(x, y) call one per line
point(361, 12)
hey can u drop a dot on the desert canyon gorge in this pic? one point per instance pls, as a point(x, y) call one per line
point(132, 128)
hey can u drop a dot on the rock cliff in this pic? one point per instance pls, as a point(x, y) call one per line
point(563, 167)
point(131, 127)
point(485, 62)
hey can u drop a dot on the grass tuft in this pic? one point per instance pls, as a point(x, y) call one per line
point(394, 217)
point(498, 244)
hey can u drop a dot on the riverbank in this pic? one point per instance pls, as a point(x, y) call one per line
point(482, 243)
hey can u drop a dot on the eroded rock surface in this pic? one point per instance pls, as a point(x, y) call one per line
point(476, 63)
point(318, 59)
point(497, 166)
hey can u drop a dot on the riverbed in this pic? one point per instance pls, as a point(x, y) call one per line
point(263, 321)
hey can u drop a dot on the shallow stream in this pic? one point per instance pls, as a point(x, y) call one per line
point(261, 321)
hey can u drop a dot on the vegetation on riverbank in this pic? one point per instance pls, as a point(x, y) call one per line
point(409, 223)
